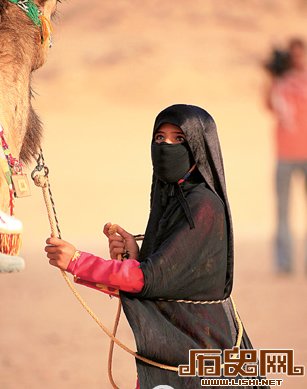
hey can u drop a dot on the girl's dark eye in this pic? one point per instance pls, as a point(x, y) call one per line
point(180, 139)
point(159, 137)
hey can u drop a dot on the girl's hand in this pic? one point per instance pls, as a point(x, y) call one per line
point(59, 252)
point(121, 242)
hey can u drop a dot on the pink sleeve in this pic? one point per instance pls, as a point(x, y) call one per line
point(106, 275)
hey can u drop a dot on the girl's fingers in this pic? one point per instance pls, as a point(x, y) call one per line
point(116, 252)
point(53, 262)
point(120, 232)
point(54, 241)
point(116, 237)
point(52, 256)
point(57, 242)
point(119, 250)
point(116, 244)
point(106, 229)
point(51, 249)
point(123, 233)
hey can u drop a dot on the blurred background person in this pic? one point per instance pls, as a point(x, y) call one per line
point(287, 99)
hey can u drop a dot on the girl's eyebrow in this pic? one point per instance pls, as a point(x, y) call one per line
point(178, 133)
point(172, 131)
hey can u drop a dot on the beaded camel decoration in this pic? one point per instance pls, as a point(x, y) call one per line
point(25, 39)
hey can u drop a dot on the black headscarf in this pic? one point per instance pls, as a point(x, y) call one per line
point(200, 131)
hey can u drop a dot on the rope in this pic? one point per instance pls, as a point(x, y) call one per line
point(239, 323)
point(112, 230)
point(43, 182)
point(111, 347)
point(196, 302)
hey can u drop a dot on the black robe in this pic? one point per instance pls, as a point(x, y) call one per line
point(180, 262)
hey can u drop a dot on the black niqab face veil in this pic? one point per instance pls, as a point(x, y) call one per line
point(170, 161)
point(200, 131)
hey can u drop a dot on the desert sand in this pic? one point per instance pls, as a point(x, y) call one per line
point(113, 67)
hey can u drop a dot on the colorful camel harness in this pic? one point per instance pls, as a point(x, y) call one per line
point(30, 8)
point(12, 168)
point(34, 13)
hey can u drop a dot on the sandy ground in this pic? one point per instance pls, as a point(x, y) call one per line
point(113, 67)
point(48, 340)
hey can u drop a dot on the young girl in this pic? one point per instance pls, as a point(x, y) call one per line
point(175, 291)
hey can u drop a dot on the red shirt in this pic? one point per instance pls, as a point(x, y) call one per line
point(107, 276)
point(289, 103)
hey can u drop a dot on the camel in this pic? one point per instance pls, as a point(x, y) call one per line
point(25, 38)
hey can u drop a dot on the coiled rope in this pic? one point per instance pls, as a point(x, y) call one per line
point(42, 181)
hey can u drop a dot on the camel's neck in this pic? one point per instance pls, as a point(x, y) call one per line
point(15, 73)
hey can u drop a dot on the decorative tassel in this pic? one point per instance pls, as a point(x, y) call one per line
point(10, 244)
point(11, 202)
point(10, 234)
